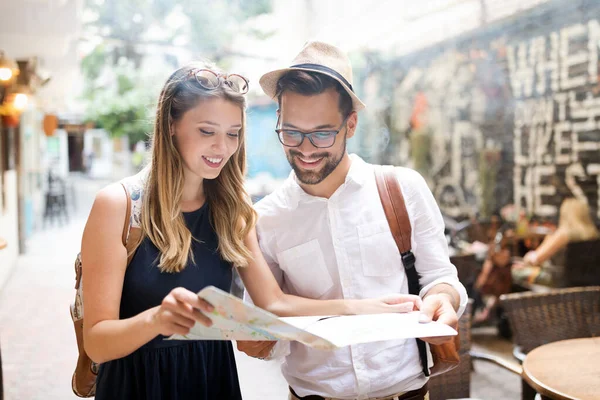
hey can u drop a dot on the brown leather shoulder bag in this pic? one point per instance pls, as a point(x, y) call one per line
point(445, 356)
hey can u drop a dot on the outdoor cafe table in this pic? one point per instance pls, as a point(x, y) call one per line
point(565, 370)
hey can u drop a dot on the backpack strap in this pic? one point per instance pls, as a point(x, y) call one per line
point(396, 214)
point(124, 236)
point(127, 223)
point(132, 231)
point(131, 234)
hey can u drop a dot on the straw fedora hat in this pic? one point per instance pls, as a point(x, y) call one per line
point(317, 57)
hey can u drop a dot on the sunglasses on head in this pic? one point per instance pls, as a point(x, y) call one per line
point(210, 80)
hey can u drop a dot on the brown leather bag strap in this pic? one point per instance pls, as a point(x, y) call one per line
point(396, 214)
point(392, 200)
point(127, 224)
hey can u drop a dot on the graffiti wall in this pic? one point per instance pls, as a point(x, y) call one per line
point(508, 114)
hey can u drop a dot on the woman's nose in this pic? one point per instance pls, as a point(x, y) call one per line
point(219, 143)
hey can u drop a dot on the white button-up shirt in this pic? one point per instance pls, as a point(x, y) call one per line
point(342, 247)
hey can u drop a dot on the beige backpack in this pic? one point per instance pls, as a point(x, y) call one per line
point(83, 382)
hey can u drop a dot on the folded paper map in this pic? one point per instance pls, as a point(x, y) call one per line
point(234, 319)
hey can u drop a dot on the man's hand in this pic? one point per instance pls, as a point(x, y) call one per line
point(438, 307)
point(256, 349)
point(392, 303)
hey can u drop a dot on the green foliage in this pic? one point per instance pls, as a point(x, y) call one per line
point(124, 108)
point(489, 165)
point(420, 150)
point(116, 91)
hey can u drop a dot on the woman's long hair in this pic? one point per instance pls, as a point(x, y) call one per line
point(576, 219)
point(231, 212)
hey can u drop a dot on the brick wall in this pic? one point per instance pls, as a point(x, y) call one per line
point(508, 113)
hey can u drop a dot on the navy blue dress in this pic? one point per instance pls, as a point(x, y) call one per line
point(164, 369)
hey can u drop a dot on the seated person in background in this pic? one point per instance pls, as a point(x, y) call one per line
point(575, 224)
point(494, 279)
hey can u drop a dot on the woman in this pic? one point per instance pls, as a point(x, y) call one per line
point(575, 224)
point(197, 224)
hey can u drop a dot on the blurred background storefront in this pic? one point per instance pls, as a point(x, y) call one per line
point(40, 79)
point(495, 103)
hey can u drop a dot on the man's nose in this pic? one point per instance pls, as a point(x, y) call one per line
point(307, 147)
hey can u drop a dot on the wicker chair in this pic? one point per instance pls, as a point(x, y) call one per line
point(456, 383)
point(560, 314)
point(582, 264)
point(540, 318)
point(467, 267)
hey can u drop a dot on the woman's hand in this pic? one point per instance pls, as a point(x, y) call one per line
point(393, 303)
point(179, 312)
point(530, 258)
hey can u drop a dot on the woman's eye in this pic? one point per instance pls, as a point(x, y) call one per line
point(234, 134)
point(206, 132)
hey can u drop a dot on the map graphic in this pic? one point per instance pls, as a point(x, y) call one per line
point(234, 319)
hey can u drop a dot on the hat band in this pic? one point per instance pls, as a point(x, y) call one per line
point(326, 70)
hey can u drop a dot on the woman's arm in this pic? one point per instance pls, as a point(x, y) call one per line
point(549, 247)
point(266, 293)
point(104, 259)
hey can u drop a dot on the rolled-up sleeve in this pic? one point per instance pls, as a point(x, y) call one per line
point(428, 240)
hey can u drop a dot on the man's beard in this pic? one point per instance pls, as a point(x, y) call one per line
point(313, 177)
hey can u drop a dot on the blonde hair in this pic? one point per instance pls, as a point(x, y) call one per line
point(231, 212)
point(576, 219)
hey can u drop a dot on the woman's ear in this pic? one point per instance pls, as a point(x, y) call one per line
point(171, 126)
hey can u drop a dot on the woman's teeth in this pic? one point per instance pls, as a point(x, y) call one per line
point(214, 160)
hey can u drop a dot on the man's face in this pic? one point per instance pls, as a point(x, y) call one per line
point(310, 114)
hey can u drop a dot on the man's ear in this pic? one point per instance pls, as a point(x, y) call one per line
point(351, 123)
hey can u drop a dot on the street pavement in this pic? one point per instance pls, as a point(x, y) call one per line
point(39, 350)
point(38, 343)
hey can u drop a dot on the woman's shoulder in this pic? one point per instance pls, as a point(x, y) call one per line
point(110, 201)
point(116, 198)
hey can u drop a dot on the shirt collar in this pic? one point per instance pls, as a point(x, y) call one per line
point(357, 175)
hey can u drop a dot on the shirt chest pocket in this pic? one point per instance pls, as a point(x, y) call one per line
point(306, 270)
point(378, 251)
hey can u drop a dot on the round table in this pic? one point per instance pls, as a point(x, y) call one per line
point(565, 370)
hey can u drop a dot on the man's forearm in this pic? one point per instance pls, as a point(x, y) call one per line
point(448, 290)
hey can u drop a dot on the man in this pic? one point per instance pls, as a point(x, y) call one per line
point(325, 236)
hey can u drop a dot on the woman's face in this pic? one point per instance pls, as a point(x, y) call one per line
point(207, 135)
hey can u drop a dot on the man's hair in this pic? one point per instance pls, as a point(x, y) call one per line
point(310, 83)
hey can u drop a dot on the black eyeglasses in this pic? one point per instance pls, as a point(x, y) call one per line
point(320, 139)
point(210, 80)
